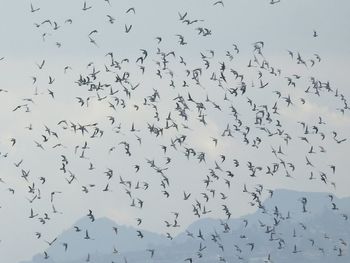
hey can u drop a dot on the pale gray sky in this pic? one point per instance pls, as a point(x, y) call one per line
point(288, 25)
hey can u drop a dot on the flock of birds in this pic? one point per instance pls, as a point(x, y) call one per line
point(194, 92)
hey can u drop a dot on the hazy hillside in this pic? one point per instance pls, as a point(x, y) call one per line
point(271, 234)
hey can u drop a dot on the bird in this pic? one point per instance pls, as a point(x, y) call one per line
point(139, 234)
point(85, 7)
point(111, 19)
point(32, 215)
point(127, 28)
point(151, 251)
point(87, 235)
point(51, 242)
point(272, 2)
point(32, 9)
point(65, 246)
point(91, 216)
point(186, 196)
point(131, 9)
point(182, 16)
point(219, 2)
point(41, 65)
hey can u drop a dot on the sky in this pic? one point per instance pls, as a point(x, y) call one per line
point(285, 26)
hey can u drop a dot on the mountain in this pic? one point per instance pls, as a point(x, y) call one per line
point(104, 234)
point(282, 230)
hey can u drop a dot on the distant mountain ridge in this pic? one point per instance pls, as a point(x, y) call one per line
point(281, 232)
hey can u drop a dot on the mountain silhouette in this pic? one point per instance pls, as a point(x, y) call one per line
point(281, 231)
